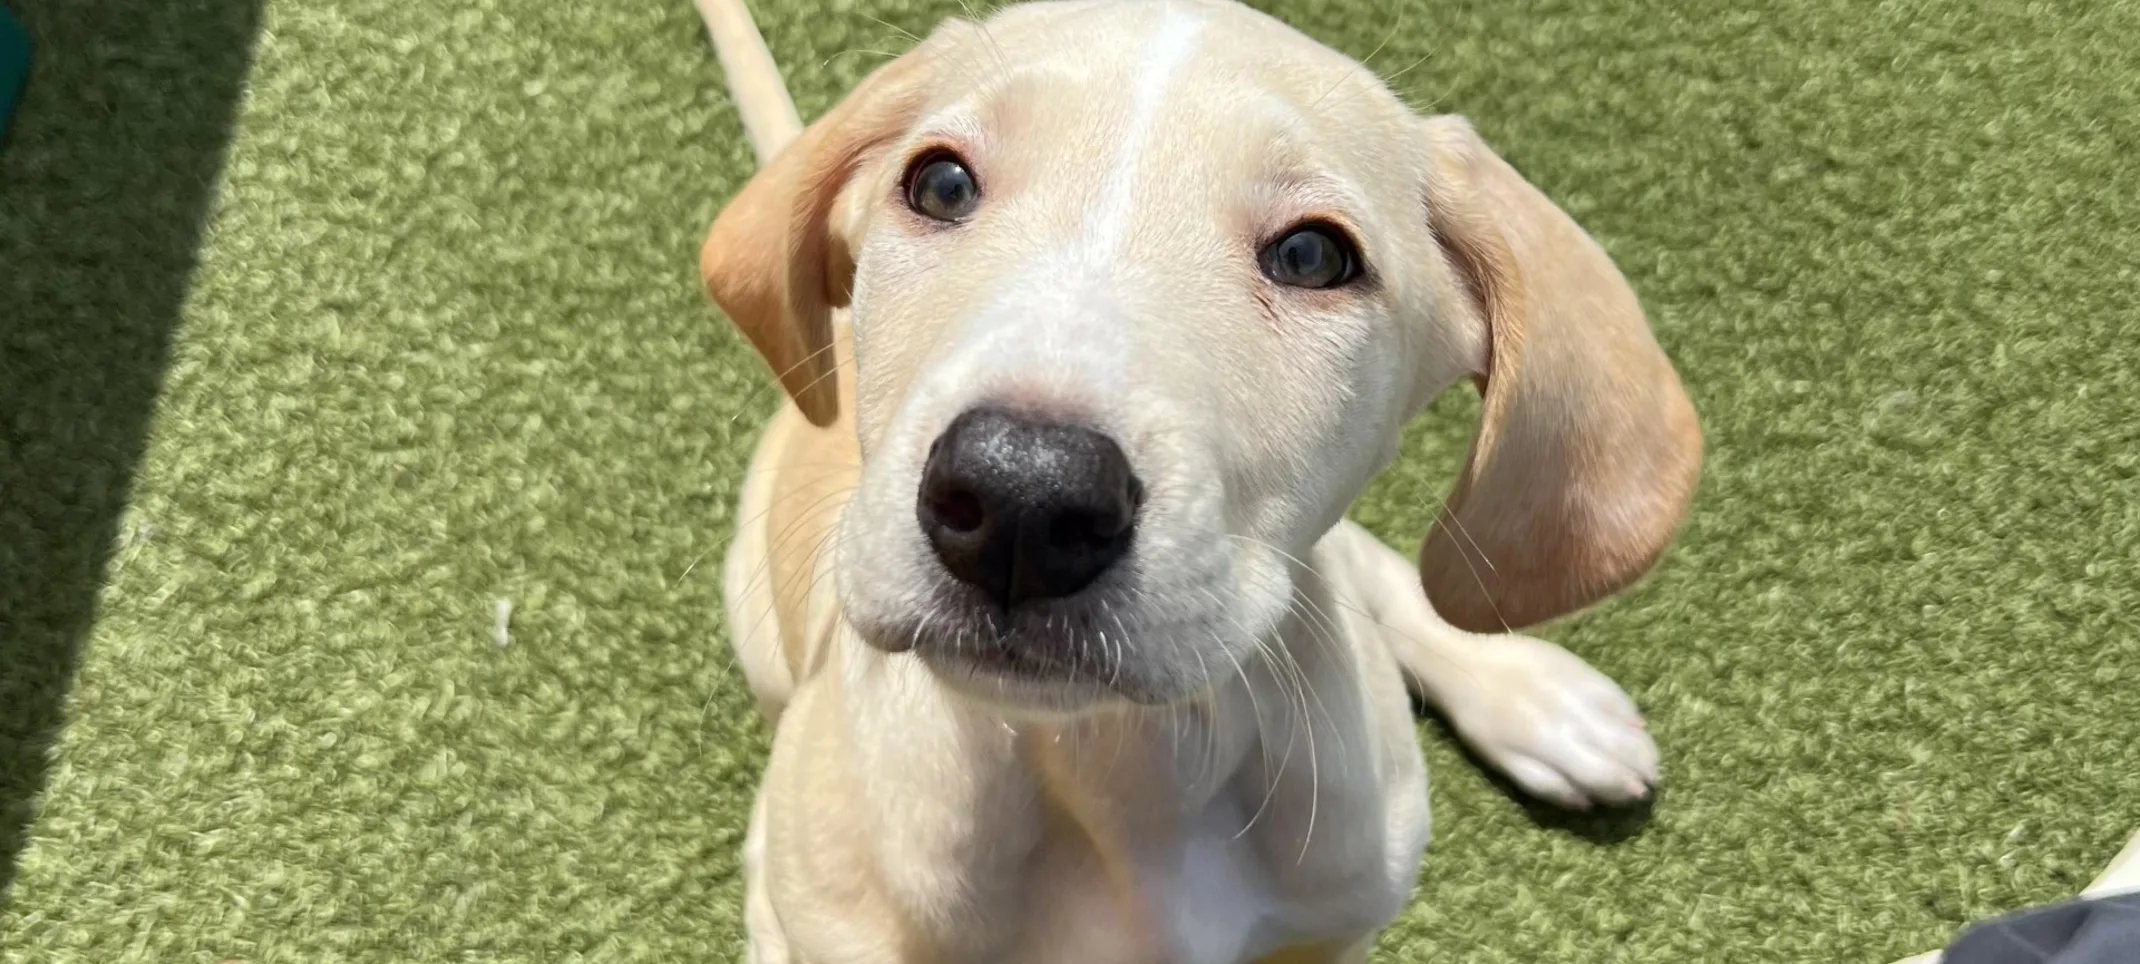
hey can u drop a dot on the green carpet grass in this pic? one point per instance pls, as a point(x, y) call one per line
point(325, 324)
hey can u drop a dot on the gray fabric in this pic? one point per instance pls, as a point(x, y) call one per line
point(2101, 931)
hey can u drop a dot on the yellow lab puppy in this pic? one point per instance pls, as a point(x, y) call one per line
point(1093, 320)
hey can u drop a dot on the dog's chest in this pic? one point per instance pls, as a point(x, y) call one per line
point(1246, 844)
point(1225, 905)
point(1218, 894)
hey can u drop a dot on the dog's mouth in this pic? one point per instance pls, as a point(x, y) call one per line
point(1063, 652)
point(1004, 671)
point(1143, 635)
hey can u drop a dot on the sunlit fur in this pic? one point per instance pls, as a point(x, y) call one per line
point(1221, 764)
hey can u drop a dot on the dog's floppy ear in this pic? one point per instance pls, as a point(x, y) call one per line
point(1588, 448)
point(780, 257)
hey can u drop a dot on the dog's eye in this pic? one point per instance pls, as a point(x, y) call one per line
point(1311, 256)
point(940, 187)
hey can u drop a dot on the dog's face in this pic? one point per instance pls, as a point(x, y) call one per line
point(1142, 295)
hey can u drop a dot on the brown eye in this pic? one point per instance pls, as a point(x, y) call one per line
point(940, 187)
point(1311, 256)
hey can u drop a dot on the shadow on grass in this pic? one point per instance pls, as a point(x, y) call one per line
point(1603, 826)
point(107, 176)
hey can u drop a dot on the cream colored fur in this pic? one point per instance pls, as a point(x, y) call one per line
point(1242, 782)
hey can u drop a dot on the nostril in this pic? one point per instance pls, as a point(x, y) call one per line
point(1086, 530)
point(958, 510)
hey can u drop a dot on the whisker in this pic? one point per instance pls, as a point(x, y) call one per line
point(1466, 533)
point(981, 23)
point(1121, 649)
point(1270, 790)
point(781, 543)
point(1262, 648)
point(1210, 756)
point(1475, 577)
point(895, 28)
point(1395, 24)
point(833, 371)
point(886, 54)
point(1389, 79)
point(782, 540)
point(833, 467)
point(1363, 612)
point(735, 654)
point(1326, 632)
point(695, 560)
point(919, 628)
point(743, 407)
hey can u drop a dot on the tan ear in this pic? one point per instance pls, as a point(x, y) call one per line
point(780, 258)
point(1588, 449)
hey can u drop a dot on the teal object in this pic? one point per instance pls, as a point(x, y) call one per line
point(14, 66)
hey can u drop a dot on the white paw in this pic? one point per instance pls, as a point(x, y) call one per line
point(1562, 731)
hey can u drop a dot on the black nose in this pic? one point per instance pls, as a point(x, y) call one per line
point(1026, 509)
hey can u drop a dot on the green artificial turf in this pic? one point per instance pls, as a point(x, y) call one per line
point(326, 325)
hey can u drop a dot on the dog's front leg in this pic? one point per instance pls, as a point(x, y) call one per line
point(768, 941)
point(1561, 730)
point(896, 823)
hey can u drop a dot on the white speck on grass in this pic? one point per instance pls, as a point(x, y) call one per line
point(501, 627)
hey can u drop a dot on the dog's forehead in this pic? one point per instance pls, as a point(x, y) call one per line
point(1221, 57)
point(1196, 96)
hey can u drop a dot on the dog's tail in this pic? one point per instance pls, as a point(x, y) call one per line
point(754, 82)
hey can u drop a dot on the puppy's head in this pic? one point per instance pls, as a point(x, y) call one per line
point(1142, 294)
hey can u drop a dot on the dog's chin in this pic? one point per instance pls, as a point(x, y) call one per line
point(1056, 662)
point(1017, 690)
point(1027, 670)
